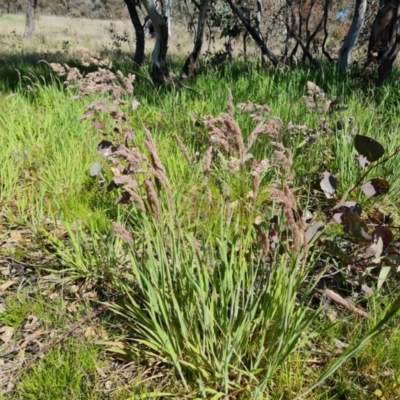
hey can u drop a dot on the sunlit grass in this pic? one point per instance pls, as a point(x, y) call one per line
point(45, 159)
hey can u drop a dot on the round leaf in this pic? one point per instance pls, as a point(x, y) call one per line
point(369, 148)
point(351, 206)
point(328, 185)
point(375, 187)
point(313, 230)
point(105, 148)
point(95, 169)
point(375, 249)
point(98, 125)
point(340, 125)
point(363, 161)
point(383, 233)
point(348, 206)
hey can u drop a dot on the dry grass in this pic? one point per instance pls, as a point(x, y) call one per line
point(52, 33)
point(55, 33)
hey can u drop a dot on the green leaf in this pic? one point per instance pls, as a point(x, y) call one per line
point(368, 147)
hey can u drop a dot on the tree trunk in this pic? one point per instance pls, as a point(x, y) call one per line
point(160, 6)
point(380, 32)
point(160, 69)
point(384, 44)
point(258, 20)
point(139, 31)
point(352, 35)
point(30, 20)
point(168, 14)
point(189, 69)
point(265, 51)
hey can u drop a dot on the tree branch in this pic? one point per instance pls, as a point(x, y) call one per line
point(254, 34)
point(326, 11)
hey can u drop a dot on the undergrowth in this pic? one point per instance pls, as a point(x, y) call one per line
point(195, 218)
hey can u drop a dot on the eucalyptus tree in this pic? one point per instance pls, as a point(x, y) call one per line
point(139, 31)
point(29, 32)
point(168, 15)
point(160, 73)
point(353, 34)
point(189, 67)
point(384, 43)
point(280, 30)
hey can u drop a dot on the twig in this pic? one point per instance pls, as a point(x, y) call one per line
point(59, 340)
point(13, 260)
point(294, 50)
point(190, 89)
point(343, 302)
point(397, 151)
point(254, 34)
point(311, 38)
point(308, 33)
point(301, 44)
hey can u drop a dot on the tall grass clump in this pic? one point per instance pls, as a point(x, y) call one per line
point(211, 293)
point(212, 309)
point(205, 286)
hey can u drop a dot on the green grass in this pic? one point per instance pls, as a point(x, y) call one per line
point(47, 150)
point(207, 323)
point(373, 369)
point(68, 371)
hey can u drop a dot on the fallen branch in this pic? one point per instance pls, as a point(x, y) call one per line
point(343, 302)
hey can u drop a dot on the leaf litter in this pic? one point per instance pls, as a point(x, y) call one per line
point(26, 343)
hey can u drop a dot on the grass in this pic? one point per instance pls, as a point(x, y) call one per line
point(57, 37)
point(41, 127)
point(39, 154)
point(67, 371)
point(197, 309)
point(52, 32)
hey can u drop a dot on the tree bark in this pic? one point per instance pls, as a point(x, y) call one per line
point(384, 44)
point(160, 69)
point(258, 20)
point(139, 31)
point(326, 33)
point(380, 32)
point(30, 20)
point(168, 14)
point(160, 6)
point(254, 34)
point(189, 69)
point(352, 35)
